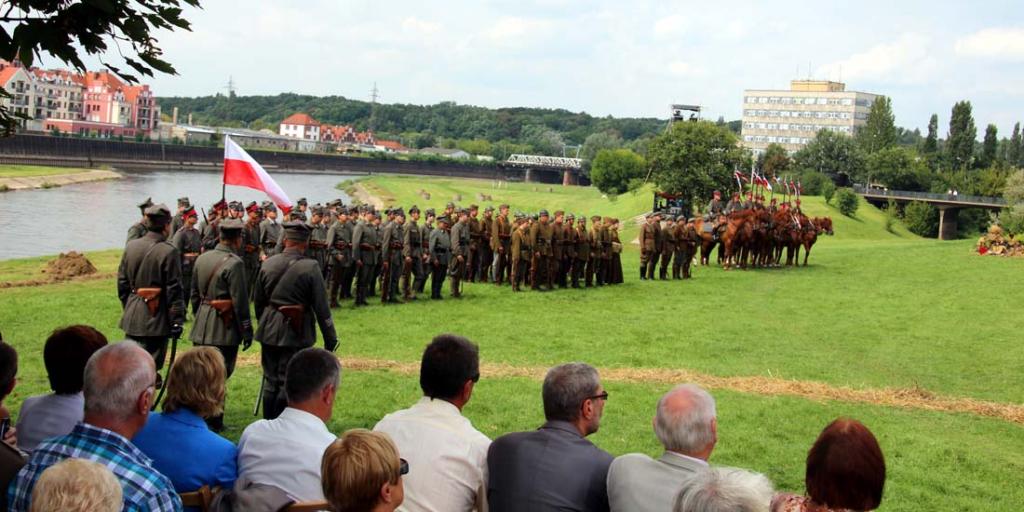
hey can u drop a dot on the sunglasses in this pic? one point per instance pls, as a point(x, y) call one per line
point(602, 396)
point(403, 467)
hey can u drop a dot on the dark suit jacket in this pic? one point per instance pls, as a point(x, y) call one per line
point(550, 469)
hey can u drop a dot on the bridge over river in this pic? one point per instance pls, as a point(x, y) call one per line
point(949, 205)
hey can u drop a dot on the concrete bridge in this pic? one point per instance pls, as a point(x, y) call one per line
point(949, 205)
point(547, 169)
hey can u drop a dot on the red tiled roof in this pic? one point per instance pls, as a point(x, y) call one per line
point(391, 144)
point(103, 78)
point(300, 119)
point(7, 73)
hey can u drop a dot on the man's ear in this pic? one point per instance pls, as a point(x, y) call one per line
point(467, 389)
point(326, 394)
point(145, 401)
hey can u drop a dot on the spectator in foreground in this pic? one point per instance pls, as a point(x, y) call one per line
point(119, 390)
point(11, 459)
point(196, 456)
point(64, 355)
point(77, 485)
point(725, 490)
point(363, 473)
point(554, 468)
point(285, 452)
point(451, 456)
point(845, 471)
point(687, 427)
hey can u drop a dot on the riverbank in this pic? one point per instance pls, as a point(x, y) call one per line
point(30, 177)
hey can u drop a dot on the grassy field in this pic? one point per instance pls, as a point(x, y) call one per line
point(874, 311)
point(25, 171)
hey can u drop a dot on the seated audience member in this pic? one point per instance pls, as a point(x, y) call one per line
point(686, 425)
point(119, 388)
point(725, 490)
point(554, 468)
point(363, 473)
point(197, 456)
point(64, 355)
point(451, 456)
point(77, 485)
point(285, 452)
point(845, 471)
point(11, 459)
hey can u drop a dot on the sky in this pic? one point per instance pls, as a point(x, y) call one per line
point(621, 58)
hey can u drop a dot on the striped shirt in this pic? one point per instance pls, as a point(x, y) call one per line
point(144, 488)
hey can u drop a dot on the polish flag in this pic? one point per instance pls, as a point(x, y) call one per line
point(242, 170)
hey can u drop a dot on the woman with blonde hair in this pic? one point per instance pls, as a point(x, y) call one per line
point(178, 440)
point(363, 473)
point(77, 485)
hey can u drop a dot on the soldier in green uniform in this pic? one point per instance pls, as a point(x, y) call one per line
point(149, 286)
point(179, 218)
point(251, 243)
point(365, 253)
point(668, 246)
point(392, 244)
point(558, 242)
point(476, 234)
point(486, 258)
point(460, 240)
point(189, 244)
point(594, 266)
point(686, 247)
point(318, 238)
point(138, 230)
point(501, 241)
point(440, 246)
point(648, 246)
point(425, 230)
point(339, 240)
point(376, 271)
point(734, 204)
point(290, 300)
point(541, 239)
point(220, 300)
point(270, 231)
point(581, 253)
point(521, 252)
point(412, 254)
point(302, 205)
point(208, 228)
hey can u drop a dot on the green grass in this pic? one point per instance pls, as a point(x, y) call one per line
point(25, 171)
point(872, 310)
point(27, 269)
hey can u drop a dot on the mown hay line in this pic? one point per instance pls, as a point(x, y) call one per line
point(904, 398)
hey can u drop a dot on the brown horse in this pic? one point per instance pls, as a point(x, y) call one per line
point(739, 233)
point(707, 242)
point(809, 235)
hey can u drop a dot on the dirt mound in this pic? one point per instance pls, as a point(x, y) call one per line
point(69, 265)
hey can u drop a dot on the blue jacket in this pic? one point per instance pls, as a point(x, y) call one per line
point(185, 450)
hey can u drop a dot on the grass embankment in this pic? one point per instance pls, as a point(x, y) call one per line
point(26, 171)
point(873, 311)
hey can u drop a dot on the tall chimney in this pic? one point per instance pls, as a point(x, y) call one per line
point(190, 119)
point(174, 116)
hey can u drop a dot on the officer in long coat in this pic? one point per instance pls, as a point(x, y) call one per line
point(290, 299)
point(581, 253)
point(220, 298)
point(460, 240)
point(339, 244)
point(270, 231)
point(542, 239)
point(501, 242)
point(440, 247)
point(392, 244)
point(426, 229)
point(648, 247)
point(149, 286)
point(483, 269)
point(412, 254)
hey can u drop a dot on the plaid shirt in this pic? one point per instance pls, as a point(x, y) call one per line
point(144, 488)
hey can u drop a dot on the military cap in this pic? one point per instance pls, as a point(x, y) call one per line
point(503, 205)
point(219, 205)
point(158, 214)
point(542, 213)
point(583, 219)
point(429, 212)
point(302, 202)
point(462, 211)
point(236, 205)
point(445, 219)
point(297, 214)
point(269, 207)
point(595, 217)
point(489, 209)
point(318, 210)
point(414, 209)
point(230, 225)
point(189, 212)
point(147, 203)
point(570, 217)
point(335, 203)
point(559, 212)
point(450, 205)
point(473, 207)
point(183, 201)
point(296, 231)
point(398, 212)
point(649, 215)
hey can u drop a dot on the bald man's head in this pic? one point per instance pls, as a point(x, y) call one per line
point(686, 420)
point(115, 376)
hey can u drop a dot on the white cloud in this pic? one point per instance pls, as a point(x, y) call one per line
point(416, 25)
point(516, 31)
point(993, 43)
point(908, 59)
point(670, 26)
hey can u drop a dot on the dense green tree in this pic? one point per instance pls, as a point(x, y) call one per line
point(694, 159)
point(989, 146)
point(899, 168)
point(931, 141)
point(775, 161)
point(543, 139)
point(1014, 152)
point(833, 154)
point(71, 30)
point(879, 132)
point(614, 170)
point(921, 219)
point(640, 144)
point(847, 202)
point(961, 138)
point(595, 142)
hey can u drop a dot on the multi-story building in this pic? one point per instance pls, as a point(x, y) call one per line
point(792, 118)
point(301, 126)
point(18, 83)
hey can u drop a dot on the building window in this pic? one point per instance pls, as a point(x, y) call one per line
point(822, 101)
point(748, 138)
point(784, 113)
point(847, 101)
point(762, 99)
point(787, 100)
point(783, 126)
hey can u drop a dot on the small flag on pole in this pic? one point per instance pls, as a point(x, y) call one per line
point(244, 171)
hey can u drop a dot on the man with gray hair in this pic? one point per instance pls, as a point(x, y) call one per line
point(725, 490)
point(686, 425)
point(118, 390)
point(554, 468)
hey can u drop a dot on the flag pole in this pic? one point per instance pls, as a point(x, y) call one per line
point(223, 184)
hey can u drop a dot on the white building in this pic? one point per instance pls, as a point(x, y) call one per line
point(300, 126)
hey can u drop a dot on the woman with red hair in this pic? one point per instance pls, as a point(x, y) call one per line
point(845, 471)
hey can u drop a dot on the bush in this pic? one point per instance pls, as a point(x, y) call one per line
point(828, 190)
point(1012, 221)
point(614, 170)
point(814, 182)
point(847, 202)
point(921, 219)
point(890, 215)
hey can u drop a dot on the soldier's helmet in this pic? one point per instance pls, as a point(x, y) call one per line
point(717, 193)
point(542, 213)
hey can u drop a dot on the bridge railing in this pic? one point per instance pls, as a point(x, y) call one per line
point(930, 196)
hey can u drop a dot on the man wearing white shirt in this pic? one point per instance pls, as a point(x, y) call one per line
point(687, 427)
point(286, 451)
point(447, 456)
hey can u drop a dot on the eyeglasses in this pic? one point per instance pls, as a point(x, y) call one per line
point(602, 396)
point(403, 467)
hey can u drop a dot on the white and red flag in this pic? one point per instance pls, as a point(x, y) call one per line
point(244, 171)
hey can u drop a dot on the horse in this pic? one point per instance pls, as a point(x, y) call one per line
point(816, 226)
point(707, 242)
point(739, 232)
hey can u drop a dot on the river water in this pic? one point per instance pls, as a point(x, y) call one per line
point(92, 216)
